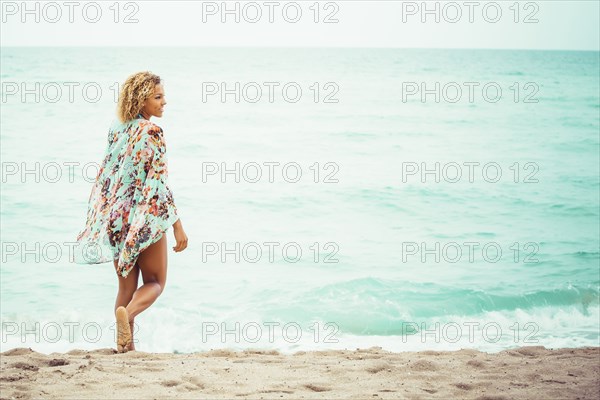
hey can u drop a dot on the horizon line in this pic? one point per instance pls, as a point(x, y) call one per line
point(297, 47)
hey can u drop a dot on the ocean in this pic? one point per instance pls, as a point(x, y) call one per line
point(411, 199)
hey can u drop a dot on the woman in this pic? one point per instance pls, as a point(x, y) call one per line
point(131, 206)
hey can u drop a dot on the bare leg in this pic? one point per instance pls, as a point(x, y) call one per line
point(153, 264)
point(127, 287)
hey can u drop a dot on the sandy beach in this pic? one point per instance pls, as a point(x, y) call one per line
point(523, 373)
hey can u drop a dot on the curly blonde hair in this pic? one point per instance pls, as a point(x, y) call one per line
point(136, 89)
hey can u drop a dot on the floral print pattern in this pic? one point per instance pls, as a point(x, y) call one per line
point(130, 205)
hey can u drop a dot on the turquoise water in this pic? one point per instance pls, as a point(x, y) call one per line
point(367, 274)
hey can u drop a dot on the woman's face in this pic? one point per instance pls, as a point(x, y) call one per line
point(154, 105)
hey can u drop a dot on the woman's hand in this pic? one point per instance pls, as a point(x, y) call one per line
point(180, 237)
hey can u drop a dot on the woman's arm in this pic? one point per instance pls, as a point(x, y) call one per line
point(177, 224)
point(180, 236)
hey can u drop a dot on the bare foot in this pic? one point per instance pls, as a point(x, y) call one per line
point(131, 328)
point(124, 340)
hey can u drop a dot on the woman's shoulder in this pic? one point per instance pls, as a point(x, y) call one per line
point(151, 128)
point(138, 124)
point(140, 132)
point(151, 134)
point(142, 128)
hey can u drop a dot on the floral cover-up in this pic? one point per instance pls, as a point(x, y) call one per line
point(131, 205)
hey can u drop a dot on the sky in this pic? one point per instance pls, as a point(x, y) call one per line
point(550, 24)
